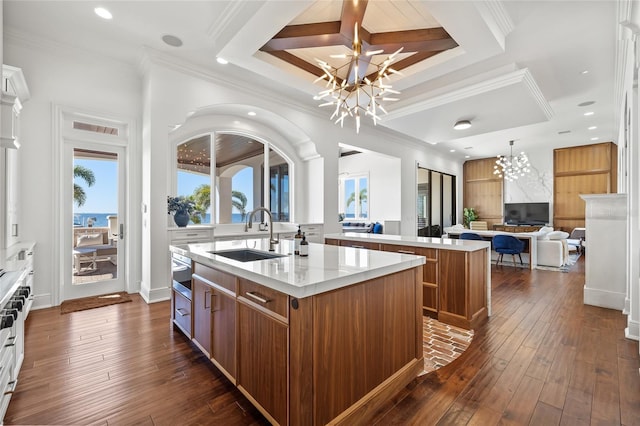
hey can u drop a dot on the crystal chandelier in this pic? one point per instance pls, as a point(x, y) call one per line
point(512, 167)
point(353, 93)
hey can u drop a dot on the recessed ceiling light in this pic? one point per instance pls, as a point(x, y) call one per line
point(462, 124)
point(172, 40)
point(595, 138)
point(251, 113)
point(222, 60)
point(103, 13)
point(433, 143)
point(467, 156)
point(584, 72)
point(587, 103)
point(592, 127)
point(588, 113)
point(452, 150)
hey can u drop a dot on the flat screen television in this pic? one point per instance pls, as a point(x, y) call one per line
point(526, 213)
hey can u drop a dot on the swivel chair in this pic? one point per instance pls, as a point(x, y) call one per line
point(507, 244)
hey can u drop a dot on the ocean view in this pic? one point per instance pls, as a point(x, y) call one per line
point(100, 219)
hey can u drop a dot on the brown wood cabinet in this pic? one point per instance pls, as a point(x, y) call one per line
point(201, 294)
point(332, 357)
point(454, 283)
point(223, 336)
point(483, 190)
point(430, 272)
point(263, 352)
point(182, 312)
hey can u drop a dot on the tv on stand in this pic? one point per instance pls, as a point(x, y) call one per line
point(526, 213)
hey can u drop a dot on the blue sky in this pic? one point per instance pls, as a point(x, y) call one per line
point(102, 197)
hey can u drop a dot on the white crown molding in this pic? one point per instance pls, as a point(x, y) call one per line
point(13, 77)
point(219, 25)
point(505, 80)
point(497, 19)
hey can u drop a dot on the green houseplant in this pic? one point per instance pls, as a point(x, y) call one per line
point(469, 214)
point(181, 207)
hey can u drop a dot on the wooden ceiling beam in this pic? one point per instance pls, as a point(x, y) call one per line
point(307, 35)
point(352, 12)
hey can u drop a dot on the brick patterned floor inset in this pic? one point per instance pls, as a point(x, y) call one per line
point(442, 343)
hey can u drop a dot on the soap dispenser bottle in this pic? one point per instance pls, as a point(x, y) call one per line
point(304, 246)
point(296, 241)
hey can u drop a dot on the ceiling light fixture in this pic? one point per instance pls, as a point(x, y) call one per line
point(592, 127)
point(251, 113)
point(512, 167)
point(350, 90)
point(588, 113)
point(103, 13)
point(462, 124)
point(172, 40)
point(222, 60)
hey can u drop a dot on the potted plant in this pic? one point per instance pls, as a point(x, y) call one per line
point(469, 214)
point(181, 207)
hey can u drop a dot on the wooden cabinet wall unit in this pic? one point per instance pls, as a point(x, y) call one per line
point(316, 360)
point(586, 169)
point(430, 274)
point(482, 190)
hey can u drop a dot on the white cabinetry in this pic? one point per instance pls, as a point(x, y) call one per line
point(13, 94)
point(190, 235)
point(314, 232)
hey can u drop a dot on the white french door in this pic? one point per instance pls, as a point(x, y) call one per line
point(92, 218)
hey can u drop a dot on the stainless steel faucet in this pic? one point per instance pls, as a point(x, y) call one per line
point(249, 224)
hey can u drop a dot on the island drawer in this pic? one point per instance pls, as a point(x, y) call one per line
point(182, 312)
point(429, 253)
point(219, 278)
point(270, 299)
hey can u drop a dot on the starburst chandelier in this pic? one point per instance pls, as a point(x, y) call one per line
point(512, 167)
point(350, 91)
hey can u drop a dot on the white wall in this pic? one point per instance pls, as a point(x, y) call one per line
point(55, 77)
point(384, 180)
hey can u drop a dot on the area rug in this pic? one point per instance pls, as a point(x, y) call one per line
point(94, 302)
point(573, 258)
point(442, 343)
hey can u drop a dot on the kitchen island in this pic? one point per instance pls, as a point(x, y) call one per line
point(324, 339)
point(456, 280)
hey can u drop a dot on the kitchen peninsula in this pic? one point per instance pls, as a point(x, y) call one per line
point(456, 280)
point(309, 340)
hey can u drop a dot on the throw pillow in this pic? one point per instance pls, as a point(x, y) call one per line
point(544, 232)
point(377, 228)
point(557, 235)
point(370, 227)
point(89, 240)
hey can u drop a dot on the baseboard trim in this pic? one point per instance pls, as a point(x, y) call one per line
point(42, 301)
point(603, 298)
point(155, 295)
point(633, 330)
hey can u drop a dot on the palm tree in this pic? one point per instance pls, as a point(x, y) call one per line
point(362, 197)
point(79, 196)
point(239, 201)
point(202, 198)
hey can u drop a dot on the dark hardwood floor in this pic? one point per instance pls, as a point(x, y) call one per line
point(543, 358)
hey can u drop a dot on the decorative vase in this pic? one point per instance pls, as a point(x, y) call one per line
point(181, 218)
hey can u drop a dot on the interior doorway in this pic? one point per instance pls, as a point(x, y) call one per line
point(436, 202)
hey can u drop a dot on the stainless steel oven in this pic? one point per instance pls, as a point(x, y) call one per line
point(181, 271)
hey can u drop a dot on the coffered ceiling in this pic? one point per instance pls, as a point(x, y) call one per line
point(516, 69)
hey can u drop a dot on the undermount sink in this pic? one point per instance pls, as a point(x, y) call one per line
point(246, 255)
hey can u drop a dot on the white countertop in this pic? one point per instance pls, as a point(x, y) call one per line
point(326, 268)
point(409, 240)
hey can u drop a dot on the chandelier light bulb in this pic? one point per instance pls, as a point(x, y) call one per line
point(512, 167)
point(353, 95)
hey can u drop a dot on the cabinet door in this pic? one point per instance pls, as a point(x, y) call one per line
point(223, 336)
point(262, 360)
point(201, 293)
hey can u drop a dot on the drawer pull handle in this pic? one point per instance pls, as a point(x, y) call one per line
point(406, 252)
point(355, 246)
point(182, 312)
point(192, 235)
point(257, 297)
point(207, 298)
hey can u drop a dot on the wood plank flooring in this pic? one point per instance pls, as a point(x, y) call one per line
point(543, 358)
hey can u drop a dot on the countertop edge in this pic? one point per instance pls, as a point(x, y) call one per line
point(426, 242)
